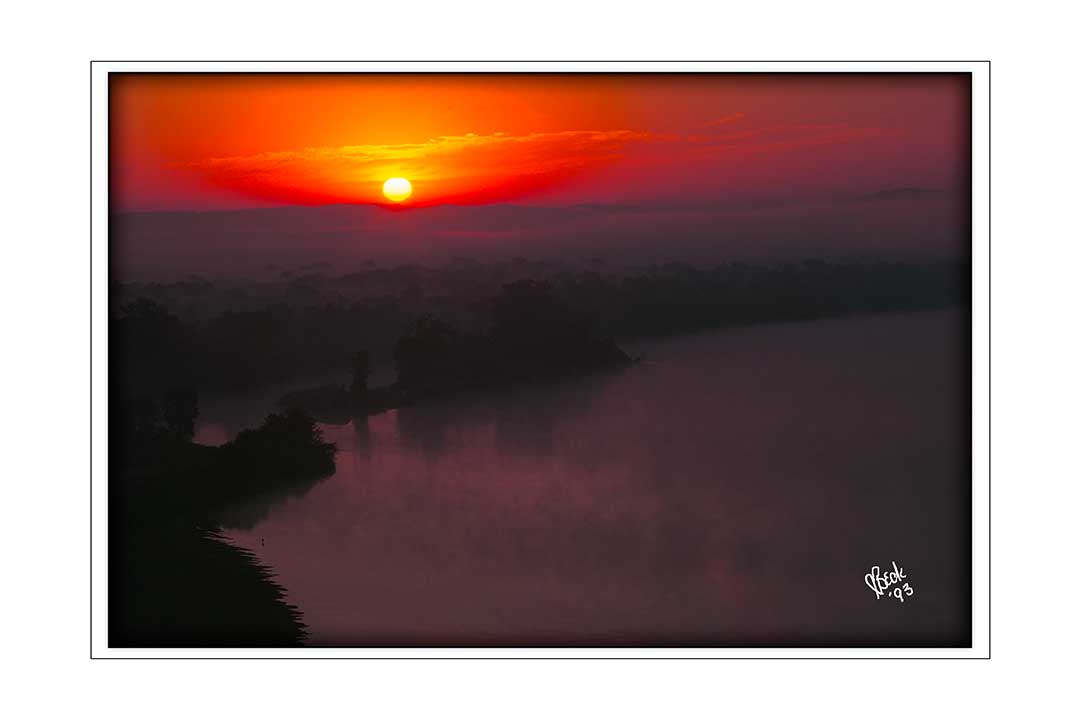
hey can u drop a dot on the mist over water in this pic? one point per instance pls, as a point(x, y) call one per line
point(731, 489)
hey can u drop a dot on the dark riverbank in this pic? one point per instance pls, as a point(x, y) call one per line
point(188, 587)
point(174, 579)
point(337, 404)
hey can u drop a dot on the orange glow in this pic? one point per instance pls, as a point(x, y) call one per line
point(312, 139)
point(189, 141)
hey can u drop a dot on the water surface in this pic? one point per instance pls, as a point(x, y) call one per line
point(732, 489)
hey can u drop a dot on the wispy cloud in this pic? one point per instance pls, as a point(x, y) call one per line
point(484, 168)
point(441, 157)
point(725, 120)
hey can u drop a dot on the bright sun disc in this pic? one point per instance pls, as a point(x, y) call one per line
point(397, 189)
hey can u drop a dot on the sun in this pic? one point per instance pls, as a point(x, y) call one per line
point(397, 189)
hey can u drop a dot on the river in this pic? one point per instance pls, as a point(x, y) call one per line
point(733, 488)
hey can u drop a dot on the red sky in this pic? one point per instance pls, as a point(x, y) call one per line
point(198, 142)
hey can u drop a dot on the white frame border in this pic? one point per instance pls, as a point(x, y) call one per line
point(980, 376)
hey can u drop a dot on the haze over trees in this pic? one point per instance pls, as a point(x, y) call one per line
point(414, 318)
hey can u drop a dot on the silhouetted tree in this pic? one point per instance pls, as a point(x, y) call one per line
point(361, 368)
point(536, 333)
point(286, 445)
point(424, 352)
point(180, 407)
point(145, 416)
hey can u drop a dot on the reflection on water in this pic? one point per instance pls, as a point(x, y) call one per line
point(734, 488)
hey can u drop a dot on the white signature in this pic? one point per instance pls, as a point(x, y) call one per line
point(881, 582)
